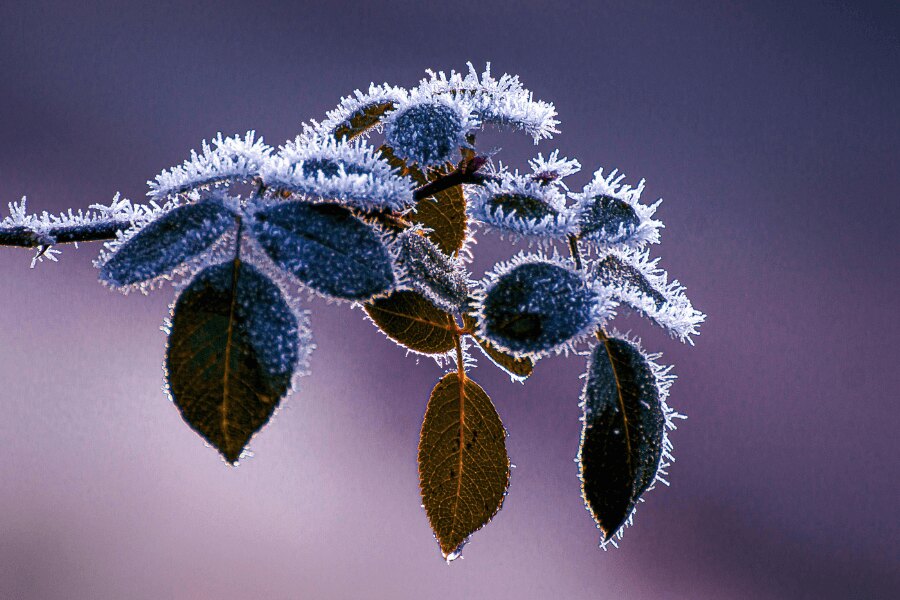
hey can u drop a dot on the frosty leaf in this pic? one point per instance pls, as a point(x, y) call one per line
point(523, 207)
point(232, 351)
point(503, 102)
point(622, 440)
point(438, 277)
point(614, 271)
point(517, 368)
point(361, 120)
point(463, 465)
point(228, 160)
point(631, 277)
point(321, 167)
point(412, 321)
point(326, 248)
point(611, 216)
point(165, 243)
point(428, 132)
point(359, 112)
point(535, 306)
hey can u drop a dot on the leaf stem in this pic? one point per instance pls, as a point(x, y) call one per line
point(466, 172)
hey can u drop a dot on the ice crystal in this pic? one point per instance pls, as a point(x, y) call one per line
point(535, 305)
point(429, 131)
point(226, 161)
point(610, 214)
point(503, 101)
point(351, 172)
point(440, 278)
point(633, 278)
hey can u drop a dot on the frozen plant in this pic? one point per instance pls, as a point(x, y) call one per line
point(377, 206)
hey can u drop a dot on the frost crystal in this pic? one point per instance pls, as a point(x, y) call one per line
point(536, 305)
point(633, 278)
point(226, 161)
point(503, 101)
point(353, 173)
point(429, 131)
point(440, 278)
point(611, 216)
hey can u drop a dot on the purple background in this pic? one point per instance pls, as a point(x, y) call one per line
point(771, 130)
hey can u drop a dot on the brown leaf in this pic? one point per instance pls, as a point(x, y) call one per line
point(362, 120)
point(463, 465)
point(412, 321)
point(517, 368)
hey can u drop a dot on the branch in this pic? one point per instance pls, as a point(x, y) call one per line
point(23, 236)
point(466, 172)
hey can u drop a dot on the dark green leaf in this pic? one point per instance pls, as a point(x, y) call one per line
point(517, 368)
point(325, 247)
point(412, 321)
point(463, 465)
point(232, 351)
point(162, 245)
point(622, 439)
point(362, 120)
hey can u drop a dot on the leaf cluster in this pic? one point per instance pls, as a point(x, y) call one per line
point(244, 230)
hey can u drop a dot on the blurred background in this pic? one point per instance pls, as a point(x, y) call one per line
point(771, 130)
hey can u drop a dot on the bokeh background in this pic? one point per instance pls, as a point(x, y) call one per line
point(770, 128)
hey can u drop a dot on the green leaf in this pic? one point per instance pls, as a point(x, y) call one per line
point(517, 368)
point(412, 321)
point(463, 465)
point(622, 438)
point(362, 120)
point(232, 351)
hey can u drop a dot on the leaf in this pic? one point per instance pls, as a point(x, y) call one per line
point(440, 278)
point(362, 120)
point(614, 272)
point(325, 247)
point(622, 439)
point(609, 219)
point(444, 213)
point(412, 321)
point(463, 465)
point(232, 351)
point(162, 245)
point(517, 368)
point(537, 306)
